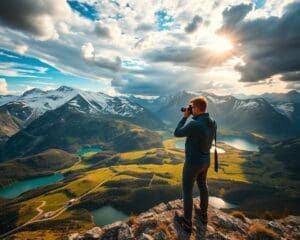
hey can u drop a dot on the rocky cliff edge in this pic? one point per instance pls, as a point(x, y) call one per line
point(158, 224)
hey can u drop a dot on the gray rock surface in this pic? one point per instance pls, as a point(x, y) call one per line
point(158, 224)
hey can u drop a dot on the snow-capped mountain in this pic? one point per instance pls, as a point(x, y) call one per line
point(7, 98)
point(152, 104)
point(101, 103)
point(87, 120)
point(35, 102)
point(285, 108)
point(287, 104)
point(253, 115)
point(291, 96)
point(41, 101)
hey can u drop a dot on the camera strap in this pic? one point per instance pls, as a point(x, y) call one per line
point(216, 153)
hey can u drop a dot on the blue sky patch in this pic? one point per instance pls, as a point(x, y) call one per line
point(84, 9)
point(21, 71)
point(163, 20)
point(259, 3)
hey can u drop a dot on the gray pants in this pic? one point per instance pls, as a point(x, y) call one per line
point(191, 173)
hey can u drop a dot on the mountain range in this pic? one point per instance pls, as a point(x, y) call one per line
point(256, 114)
point(17, 112)
point(68, 118)
point(86, 120)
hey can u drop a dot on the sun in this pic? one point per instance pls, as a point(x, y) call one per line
point(220, 44)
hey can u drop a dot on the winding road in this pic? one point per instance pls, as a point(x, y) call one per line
point(41, 216)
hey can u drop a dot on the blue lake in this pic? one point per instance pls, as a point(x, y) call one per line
point(17, 188)
point(220, 203)
point(107, 215)
point(236, 142)
point(239, 143)
point(88, 149)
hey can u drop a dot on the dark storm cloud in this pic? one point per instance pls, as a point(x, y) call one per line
point(36, 17)
point(293, 85)
point(158, 80)
point(102, 31)
point(268, 46)
point(194, 25)
point(144, 27)
point(291, 76)
point(104, 63)
point(199, 57)
point(235, 14)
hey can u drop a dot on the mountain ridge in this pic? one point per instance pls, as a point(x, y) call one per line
point(69, 129)
point(34, 103)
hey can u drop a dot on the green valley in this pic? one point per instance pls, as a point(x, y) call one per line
point(136, 180)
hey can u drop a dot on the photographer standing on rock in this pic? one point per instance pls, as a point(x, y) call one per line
point(200, 132)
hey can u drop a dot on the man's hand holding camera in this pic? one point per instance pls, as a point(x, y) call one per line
point(187, 111)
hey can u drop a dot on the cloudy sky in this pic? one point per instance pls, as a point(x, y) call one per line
point(150, 47)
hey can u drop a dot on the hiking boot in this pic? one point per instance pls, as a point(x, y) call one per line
point(184, 224)
point(202, 215)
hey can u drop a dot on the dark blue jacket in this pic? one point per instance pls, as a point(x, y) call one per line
point(200, 132)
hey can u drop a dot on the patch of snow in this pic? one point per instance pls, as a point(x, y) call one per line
point(216, 100)
point(286, 109)
point(246, 104)
point(194, 93)
point(41, 101)
point(74, 103)
point(7, 98)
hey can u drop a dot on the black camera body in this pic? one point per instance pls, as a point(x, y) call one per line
point(189, 108)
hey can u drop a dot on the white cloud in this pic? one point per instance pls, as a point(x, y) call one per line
point(87, 51)
point(13, 69)
point(3, 86)
point(91, 58)
point(21, 49)
point(38, 18)
point(95, 50)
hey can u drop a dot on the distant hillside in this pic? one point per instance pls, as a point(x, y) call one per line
point(41, 164)
point(287, 152)
point(9, 125)
point(74, 125)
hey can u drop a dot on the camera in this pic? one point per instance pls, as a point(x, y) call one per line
point(190, 109)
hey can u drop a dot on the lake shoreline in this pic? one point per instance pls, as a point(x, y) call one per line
point(9, 191)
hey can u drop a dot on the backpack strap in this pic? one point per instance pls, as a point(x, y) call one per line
point(216, 153)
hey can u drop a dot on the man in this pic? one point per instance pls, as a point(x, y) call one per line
point(200, 132)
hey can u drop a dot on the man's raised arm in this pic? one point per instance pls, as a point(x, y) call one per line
point(183, 131)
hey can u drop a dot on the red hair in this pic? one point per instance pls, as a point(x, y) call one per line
point(200, 102)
